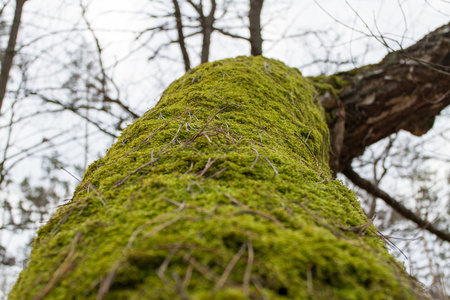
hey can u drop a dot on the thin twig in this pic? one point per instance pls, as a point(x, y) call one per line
point(248, 269)
point(208, 165)
point(171, 201)
point(273, 167)
point(256, 159)
point(180, 288)
point(235, 201)
point(229, 268)
point(253, 212)
point(65, 266)
point(264, 215)
point(88, 187)
point(204, 270)
point(151, 162)
point(309, 149)
point(163, 268)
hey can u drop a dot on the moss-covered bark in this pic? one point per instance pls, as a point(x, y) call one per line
point(222, 191)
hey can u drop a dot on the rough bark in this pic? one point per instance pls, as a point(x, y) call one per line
point(10, 52)
point(254, 17)
point(222, 191)
point(406, 90)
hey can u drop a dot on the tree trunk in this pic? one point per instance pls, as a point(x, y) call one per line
point(254, 17)
point(207, 30)
point(181, 42)
point(10, 52)
point(406, 90)
point(222, 191)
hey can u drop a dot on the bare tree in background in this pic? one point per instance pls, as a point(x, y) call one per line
point(186, 27)
point(203, 23)
point(254, 16)
point(8, 55)
point(207, 22)
point(181, 42)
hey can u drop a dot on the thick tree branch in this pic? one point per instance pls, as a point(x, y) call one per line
point(406, 90)
point(397, 206)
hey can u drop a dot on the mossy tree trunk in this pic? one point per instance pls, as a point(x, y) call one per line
point(222, 191)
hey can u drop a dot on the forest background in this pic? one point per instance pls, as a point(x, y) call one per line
point(80, 71)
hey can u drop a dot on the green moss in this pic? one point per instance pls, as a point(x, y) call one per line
point(222, 191)
point(332, 83)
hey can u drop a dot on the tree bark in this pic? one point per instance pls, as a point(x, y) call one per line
point(207, 28)
point(406, 90)
point(9, 54)
point(254, 17)
point(228, 196)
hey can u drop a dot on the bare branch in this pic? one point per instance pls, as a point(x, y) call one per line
point(235, 36)
point(75, 111)
point(99, 48)
point(396, 205)
point(198, 8)
point(123, 106)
